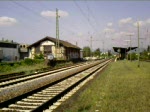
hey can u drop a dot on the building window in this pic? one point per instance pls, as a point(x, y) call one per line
point(47, 49)
point(37, 49)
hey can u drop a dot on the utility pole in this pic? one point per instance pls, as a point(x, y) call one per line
point(57, 32)
point(103, 46)
point(91, 43)
point(142, 46)
point(147, 38)
point(91, 40)
point(138, 44)
point(130, 44)
point(127, 46)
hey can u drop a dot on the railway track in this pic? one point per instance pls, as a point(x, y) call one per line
point(51, 94)
point(8, 77)
point(21, 78)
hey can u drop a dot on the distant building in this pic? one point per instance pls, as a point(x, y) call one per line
point(23, 51)
point(47, 45)
point(9, 51)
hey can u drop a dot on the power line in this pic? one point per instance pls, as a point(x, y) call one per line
point(34, 12)
point(91, 12)
point(84, 15)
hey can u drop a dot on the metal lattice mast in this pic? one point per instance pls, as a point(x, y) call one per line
point(57, 32)
point(138, 44)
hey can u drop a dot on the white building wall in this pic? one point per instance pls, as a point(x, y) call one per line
point(32, 52)
point(60, 52)
point(47, 42)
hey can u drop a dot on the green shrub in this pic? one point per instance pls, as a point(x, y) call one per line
point(133, 56)
point(39, 56)
point(29, 61)
point(5, 68)
point(16, 65)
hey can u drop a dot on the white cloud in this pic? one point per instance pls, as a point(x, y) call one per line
point(109, 24)
point(109, 30)
point(148, 21)
point(7, 21)
point(120, 34)
point(53, 13)
point(141, 23)
point(125, 21)
point(123, 34)
point(80, 34)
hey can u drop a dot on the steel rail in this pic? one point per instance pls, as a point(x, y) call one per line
point(21, 88)
point(37, 101)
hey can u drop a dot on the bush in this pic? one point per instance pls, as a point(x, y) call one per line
point(28, 61)
point(5, 68)
point(145, 55)
point(133, 56)
point(39, 56)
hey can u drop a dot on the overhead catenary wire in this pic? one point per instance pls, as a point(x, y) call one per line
point(37, 14)
point(91, 12)
point(63, 28)
point(34, 12)
point(84, 15)
point(28, 29)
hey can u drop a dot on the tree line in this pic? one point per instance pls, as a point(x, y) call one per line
point(87, 52)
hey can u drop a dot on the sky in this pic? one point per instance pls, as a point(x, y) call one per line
point(109, 23)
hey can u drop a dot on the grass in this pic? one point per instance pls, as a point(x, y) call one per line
point(122, 87)
point(29, 68)
point(17, 68)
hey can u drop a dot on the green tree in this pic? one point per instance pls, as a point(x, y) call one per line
point(145, 55)
point(86, 51)
point(109, 53)
point(97, 52)
point(148, 48)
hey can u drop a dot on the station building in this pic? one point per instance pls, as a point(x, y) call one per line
point(47, 45)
